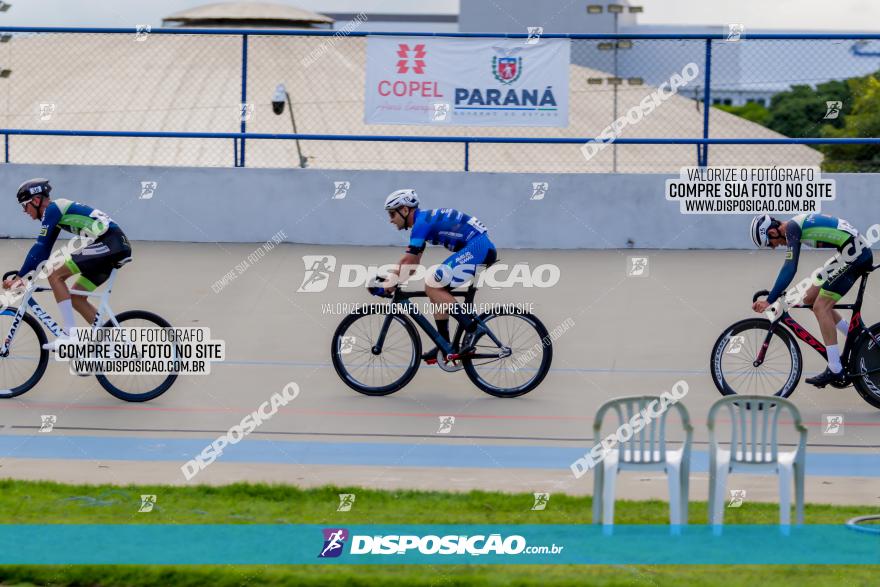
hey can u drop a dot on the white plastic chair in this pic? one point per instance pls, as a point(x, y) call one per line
point(754, 423)
point(645, 451)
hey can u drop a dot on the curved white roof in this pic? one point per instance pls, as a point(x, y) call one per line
point(242, 12)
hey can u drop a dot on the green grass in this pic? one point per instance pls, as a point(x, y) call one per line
point(42, 502)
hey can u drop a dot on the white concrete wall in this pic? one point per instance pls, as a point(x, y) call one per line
point(595, 211)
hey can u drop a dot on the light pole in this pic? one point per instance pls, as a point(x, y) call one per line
point(278, 108)
point(615, 9)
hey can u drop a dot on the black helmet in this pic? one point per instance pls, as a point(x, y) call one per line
point(32, 188)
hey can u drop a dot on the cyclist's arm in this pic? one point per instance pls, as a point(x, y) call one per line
point(789, 268)
point(413, 254)
point(45, 241)
point(410, 258)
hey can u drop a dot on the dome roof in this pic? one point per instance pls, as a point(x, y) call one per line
point(246, 13)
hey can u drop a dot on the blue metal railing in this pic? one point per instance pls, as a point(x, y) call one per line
point(239, 139)
point(331, 33)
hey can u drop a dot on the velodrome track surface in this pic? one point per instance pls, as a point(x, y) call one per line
point(631, 335)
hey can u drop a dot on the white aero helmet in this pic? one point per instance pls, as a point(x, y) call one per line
point(758, 230)
point(399, 198)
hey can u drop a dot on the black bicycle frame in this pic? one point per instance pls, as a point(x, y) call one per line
point(856, 326)
point(404, 299)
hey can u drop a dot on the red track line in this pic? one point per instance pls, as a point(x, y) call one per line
point(241, 410)
point(126, 407)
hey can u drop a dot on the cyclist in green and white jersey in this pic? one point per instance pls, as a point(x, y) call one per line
point(821, 232)
point(92, 264)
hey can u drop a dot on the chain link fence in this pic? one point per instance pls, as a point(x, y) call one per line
point(224, 82)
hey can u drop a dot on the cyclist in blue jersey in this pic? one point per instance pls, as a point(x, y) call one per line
point(461, 233)
point(93, 263)
point(822, 232)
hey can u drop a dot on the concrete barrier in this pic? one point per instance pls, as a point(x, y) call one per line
point(578, 211)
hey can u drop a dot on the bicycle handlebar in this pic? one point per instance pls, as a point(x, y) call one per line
point(759, 294)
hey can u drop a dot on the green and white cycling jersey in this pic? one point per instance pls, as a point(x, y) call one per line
point(820, 231)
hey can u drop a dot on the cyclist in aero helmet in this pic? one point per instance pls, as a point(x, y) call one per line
point(461, 233)
point(822, 232)
point(93, 263)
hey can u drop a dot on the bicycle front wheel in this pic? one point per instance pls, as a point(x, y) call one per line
point(865, 368)
point(520, 366)
point(734, 354)
point(26, 360)
point(366, 368)
point(133, 387)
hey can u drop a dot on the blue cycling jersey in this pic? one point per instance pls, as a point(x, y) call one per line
point(444, 226)
point(66, 215)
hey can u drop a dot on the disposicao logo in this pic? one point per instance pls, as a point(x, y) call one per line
point(334, 542)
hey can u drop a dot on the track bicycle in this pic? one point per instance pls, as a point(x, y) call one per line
point(377, 350)
point(23, 360)
point(762, 357)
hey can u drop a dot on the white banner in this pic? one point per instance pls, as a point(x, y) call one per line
point(467, 81)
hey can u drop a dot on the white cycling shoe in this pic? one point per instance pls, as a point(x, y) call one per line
point(53, 345)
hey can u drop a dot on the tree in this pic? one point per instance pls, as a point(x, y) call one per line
point(800, 111)
point(752, 111)
point(863, 120)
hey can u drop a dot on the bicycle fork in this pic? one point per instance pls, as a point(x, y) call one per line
point(4, 350)
point(16, 322)
point(762, 353)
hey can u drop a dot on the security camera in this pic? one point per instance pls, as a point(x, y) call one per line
point(278, 99)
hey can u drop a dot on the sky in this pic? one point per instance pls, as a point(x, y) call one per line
point(842, 15)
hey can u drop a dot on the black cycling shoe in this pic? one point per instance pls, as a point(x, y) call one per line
point(825, 377)
point(430, 355)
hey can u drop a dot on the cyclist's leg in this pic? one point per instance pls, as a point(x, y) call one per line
point(460, 268)
point(58, 282)
point(81, 303)
point(834, 288)
point(94, 265)
point(810, 298)
point(440, 298)
point(454, 272)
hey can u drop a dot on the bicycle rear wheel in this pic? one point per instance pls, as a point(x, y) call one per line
point(517, 370)
point(368, 372)
point(26, 361)
point(865, 359)
point(734, 353)
point(138, 387)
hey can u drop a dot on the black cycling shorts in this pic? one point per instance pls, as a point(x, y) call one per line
point(840, 281)
point(94, 263)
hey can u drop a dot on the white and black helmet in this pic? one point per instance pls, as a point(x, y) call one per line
point(758, 230)
point(400, 198)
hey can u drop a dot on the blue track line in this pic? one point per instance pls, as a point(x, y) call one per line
point(116, 448)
